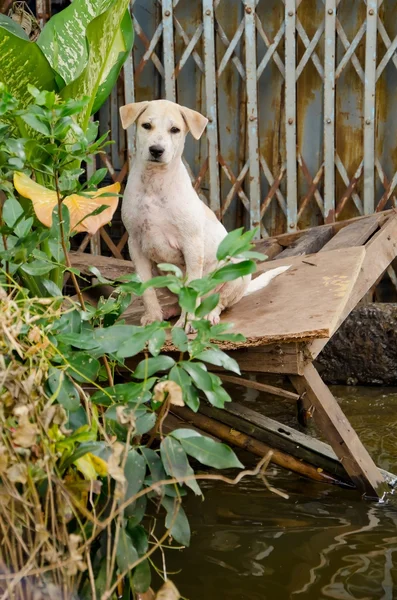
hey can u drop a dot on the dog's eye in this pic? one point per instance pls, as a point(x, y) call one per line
point(146, 125)
point(175, 130)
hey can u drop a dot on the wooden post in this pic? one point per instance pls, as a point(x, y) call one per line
point(252, 112)
point(211, 105)
point(346, 444)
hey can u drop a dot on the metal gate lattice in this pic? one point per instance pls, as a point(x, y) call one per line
point(299, 96)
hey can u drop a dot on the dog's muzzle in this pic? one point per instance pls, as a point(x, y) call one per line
point(156, 152)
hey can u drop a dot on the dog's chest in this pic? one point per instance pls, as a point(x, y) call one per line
point(155, 230)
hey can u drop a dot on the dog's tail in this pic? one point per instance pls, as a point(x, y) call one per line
point(263, 280)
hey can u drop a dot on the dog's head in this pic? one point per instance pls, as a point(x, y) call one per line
point(161, 128)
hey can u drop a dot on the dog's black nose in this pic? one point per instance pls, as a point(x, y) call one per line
point(156, 151)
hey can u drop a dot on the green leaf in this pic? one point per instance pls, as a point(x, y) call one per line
point(63, 39)
point(189, 393)
point(169, 281)
point(220, 359)
point(51, 288)
point(176, 463)
point(24, 63)
point(176, 516)
point(207, 451)
point(55, 247)
point(235, 242)
point(63, 389)
point(188, 299)
point(13, 27)
point(154, 463)
point(12, 211)
point(135, 343)
point(126, 554)
point(227, 244)
point(149, 366)
point(144, 422)
point(234, 271)
point(253, 255)
point(82, 450)
point(142, 577)
point(156, 342)
point(217, 396)
point(134, 471)
point(199, 375)
point(84, 367)
point(123, 43)
point(138, 510)
point(23, 227)
point(110, 339)
point(123, 393)
point(110, 41)
point(36, 124)
point(37, 267)
point(139, 538)
point(167, 267)
point(207, 305)
point(179, 338)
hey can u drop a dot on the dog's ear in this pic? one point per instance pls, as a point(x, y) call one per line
point(131, 112)
point(195, 121)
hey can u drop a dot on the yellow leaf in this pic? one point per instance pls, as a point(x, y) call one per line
point(171, 388)
point(44, 202)
point(168, 592)
point(91, 466)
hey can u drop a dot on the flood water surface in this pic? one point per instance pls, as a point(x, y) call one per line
point(323, 542)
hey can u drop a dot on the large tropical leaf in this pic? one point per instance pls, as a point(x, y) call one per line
point(110, 40)
point(63, 39)
point(22, 62)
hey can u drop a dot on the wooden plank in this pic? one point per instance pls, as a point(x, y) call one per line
point(261, 387)
point(302, 303)
point(279, 436)
point(309, 243)
point(329, 110)
point(290, 113)
point(380, 251)
point(242, 440)
point(272, 358)
point(211, 105)
point(369, 107)
point(111, 268)
point(334, 425)
point(286, 239)
point(268, 247)
point(284, 438)
point(168, 50)
point(252, 114)
point(355, 234)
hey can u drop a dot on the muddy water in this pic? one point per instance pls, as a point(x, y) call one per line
point(321, 543)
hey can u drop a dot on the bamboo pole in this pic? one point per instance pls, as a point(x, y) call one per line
point(241, 440)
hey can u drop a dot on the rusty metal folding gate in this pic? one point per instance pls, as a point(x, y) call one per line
point(300, 96)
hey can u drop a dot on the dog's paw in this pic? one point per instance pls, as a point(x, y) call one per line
point(214, 317)
point(151, 317)
point(181, 323)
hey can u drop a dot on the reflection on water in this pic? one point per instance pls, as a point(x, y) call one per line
point(323, 542)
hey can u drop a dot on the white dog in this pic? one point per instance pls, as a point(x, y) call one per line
point(165, 219)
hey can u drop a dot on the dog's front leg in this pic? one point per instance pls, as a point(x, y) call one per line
point(143, 266)
point(193, 254)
